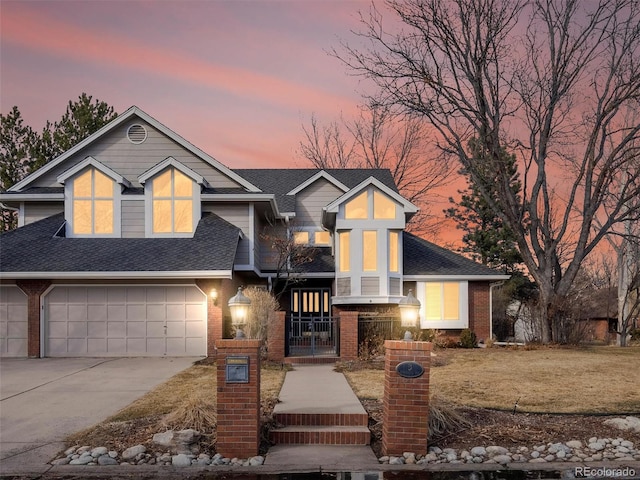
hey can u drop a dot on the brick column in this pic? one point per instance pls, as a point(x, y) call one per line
point(480, 309)
point(405, 420)
point(348, 335)
point(276, 337)
point(34, 290)
point(214, 313)
point(238, 403)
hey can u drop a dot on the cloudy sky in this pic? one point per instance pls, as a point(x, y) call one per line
point(235, 78)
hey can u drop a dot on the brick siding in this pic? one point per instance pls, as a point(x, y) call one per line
point(34, 290)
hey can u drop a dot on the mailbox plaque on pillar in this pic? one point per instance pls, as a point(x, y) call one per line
point(237, 369)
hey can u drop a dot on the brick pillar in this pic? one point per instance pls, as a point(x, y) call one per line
point(276, 337)
point(348, 335)
point(480, 309)
point(238, 403)
point(34, 290)
point(214, 313)
point(405, 410)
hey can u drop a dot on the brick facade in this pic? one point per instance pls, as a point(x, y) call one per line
point(276, 337)
point(480, 309)
point(405, 421)
point(34, 290)
point(238, 412)
point(348, 335)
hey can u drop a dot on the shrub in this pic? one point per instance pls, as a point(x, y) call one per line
point(444, 419)
point(468, 339)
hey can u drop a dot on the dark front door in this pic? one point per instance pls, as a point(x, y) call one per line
point(311, 329)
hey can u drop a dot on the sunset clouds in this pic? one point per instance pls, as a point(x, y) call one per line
point(234, 78)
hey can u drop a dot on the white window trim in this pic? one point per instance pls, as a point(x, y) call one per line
point(68, 206)
point(463, 306)
point(148, 211)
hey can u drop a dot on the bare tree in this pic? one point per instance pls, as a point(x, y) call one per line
point(378, 138)
point(550, 80)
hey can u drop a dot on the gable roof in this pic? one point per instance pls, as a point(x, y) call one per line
point(172, 162)
point(282, 181)
point(53, 256)
point(133, 112)
point(97, 165)
point(422, 258)
point(315, 178)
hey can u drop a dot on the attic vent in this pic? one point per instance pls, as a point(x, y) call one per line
point(137, 134)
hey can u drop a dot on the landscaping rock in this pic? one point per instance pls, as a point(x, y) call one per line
point(132, 452)
point(181, 460)
point(107, 460)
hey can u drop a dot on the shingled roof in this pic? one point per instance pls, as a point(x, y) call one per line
point(37, 247)
point(422, 257)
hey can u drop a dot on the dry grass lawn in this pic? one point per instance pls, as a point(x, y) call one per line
point(551, 380)
point(187, 400)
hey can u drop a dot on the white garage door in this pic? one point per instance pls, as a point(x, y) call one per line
point(13, 322)
point(125, 321)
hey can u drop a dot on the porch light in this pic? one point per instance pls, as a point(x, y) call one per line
point(409, 313)
point(214, 296)
point(239, 307)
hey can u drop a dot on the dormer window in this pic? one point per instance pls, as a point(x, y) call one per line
point(92, 199)
point(172, 202)
point(172, 197)
point(93, 203)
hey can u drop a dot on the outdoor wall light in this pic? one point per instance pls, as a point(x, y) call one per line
point(239, 307)
point(409, 313)
point(214, 296)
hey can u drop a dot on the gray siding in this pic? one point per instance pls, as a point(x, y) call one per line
point(238, 215)
point(394, 286)
point(34, 211)
point(310, 201)
point(268, 255)
point(117, 152)
point(133, 218)
point(343, 287)
point(370, 286)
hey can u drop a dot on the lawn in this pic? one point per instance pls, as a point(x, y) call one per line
point(186, 400)
point(552, 380)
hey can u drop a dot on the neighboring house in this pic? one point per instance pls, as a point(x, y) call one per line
point(122, 238)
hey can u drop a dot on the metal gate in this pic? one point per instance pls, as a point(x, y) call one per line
point(311, 331)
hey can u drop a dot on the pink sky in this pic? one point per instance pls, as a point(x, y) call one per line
point(237, 79)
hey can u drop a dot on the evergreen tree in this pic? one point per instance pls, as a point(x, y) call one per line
point(486, 236)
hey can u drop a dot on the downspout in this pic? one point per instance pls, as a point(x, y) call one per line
point(491, 287)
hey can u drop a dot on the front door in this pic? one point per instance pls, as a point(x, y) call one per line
point(311, 329)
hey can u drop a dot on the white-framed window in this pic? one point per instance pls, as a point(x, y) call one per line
point(301, 238)
point(444, 304)
point(370, 204)
point(370, 250)
point(357, 208)
point(394, 252)
point(174, 206)
point(383, 207)
point(344, 251)
point(322, 238)
point(94, 204)
point(319, 238)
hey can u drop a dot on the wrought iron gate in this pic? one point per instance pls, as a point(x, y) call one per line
point(311, 331)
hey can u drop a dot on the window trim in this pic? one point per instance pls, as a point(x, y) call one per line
point(344, 234)
point(196, 211)
point(69, 200)
point(463, 305)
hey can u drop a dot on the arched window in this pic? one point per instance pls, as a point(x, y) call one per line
point(172, 202)
point(93, 203)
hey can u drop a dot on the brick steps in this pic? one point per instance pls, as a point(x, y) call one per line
point(310, 360)
point(321, 435)
point(323, 419)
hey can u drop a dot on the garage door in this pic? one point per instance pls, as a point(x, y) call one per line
point(13, 322)
point(125, 321)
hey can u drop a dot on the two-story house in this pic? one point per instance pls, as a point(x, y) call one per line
point(131, 243)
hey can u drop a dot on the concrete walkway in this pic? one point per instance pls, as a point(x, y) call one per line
point(319, 390)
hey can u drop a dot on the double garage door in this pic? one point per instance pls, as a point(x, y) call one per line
point(96, 321)
point(13, 322)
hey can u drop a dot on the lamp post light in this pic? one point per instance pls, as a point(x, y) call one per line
point(239, 306)
point(409, 314)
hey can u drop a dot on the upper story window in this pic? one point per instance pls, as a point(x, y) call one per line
point(319, 238)
point(370, 251)
point(394, 254)
point(322, 237)
point(301, 238)
point(172, 202)
point(93, 195)
point(357, 208)
point(370, 204)
point(92, 199)
point(344, 241)
point(383, 207)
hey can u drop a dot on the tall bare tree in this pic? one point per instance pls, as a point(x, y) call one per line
point(551, 80)
point(378, 138)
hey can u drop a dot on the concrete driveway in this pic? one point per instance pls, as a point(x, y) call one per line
point(44, 400)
